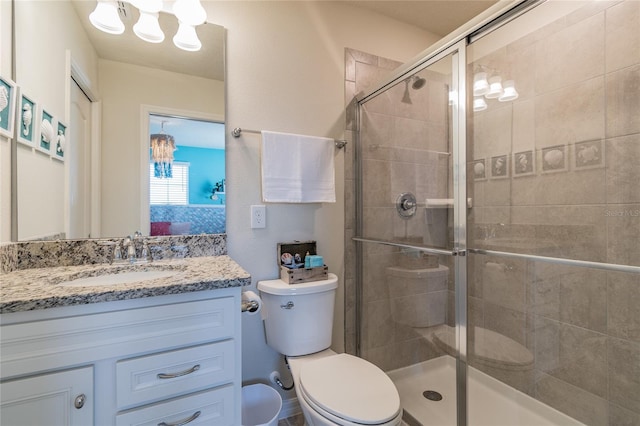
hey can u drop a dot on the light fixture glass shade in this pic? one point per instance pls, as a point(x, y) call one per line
point(105, 17)
point(495, 88)
point(480, 84)
point(190, 12)
point(148, 28)
point(509, 92)
point(186, 38)
point(479, 104)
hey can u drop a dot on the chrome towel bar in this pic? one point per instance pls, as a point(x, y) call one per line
point(236, 132)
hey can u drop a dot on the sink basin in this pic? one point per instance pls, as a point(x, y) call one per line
point(121, 278)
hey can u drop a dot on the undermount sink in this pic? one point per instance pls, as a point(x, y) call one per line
point(118, 278)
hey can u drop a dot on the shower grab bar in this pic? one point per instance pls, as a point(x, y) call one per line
point(236, 132)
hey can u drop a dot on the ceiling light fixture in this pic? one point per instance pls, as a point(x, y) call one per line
point(495, 88)
point(105, 17)
point(186, 38)
point(148, 27)
point(479, 104)
point(480, 84)
point(509, 92)
point(189, 13)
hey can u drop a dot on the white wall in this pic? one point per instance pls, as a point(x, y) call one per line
point(285, 72)
point(5, 144)
point(42, 72)
point(124, 88)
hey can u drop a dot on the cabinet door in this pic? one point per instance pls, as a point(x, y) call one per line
point(49, 399)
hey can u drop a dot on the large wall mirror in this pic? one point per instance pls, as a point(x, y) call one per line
point(111, 93)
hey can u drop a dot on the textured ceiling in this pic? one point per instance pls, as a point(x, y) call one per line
point(436, 16)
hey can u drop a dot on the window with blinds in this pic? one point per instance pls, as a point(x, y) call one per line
point(173, 190)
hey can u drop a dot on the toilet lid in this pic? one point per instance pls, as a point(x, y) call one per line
point(350, 388)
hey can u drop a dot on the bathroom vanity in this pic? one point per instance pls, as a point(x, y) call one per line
point(164, 351)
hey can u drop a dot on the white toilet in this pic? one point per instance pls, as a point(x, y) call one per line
point(332, 389)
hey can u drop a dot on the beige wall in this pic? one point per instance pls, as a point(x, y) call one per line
point(42, 46)
point(5, 147)
point(286, 73)
point(124, 88)
point(285, 63)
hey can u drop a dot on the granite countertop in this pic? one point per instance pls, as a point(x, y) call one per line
point(40, 288)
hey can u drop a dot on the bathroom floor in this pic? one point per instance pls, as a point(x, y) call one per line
point(297, 420)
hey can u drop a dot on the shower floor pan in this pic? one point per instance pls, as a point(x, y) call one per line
point(491, 402)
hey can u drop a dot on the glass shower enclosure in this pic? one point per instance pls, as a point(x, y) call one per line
point(498, 220)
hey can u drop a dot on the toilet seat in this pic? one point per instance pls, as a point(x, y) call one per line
point(349, 390)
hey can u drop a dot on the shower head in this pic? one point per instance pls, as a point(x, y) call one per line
point(418, 82)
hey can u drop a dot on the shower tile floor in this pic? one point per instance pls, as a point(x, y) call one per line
point(491, 402)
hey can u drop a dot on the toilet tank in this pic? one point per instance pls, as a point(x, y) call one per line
point(298, 318)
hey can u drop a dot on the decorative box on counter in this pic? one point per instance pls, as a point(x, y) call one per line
point(298, 262)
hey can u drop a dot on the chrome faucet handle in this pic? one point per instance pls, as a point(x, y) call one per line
point(146, 256)
point(117, 252)
point(129, 244)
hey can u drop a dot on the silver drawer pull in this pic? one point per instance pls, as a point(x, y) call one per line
point(289, 305)
point(182, 422)
point(179, 373)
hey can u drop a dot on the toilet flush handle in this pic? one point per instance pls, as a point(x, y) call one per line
point(289, 305)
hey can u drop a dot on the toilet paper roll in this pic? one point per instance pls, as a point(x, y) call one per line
point(249, 299)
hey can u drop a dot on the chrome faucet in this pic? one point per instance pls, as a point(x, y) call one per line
point(129, 244)
point(116, 254)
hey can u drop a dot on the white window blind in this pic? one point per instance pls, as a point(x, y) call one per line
point(174, 190)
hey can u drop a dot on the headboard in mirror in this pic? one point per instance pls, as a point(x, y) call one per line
point(105, 88)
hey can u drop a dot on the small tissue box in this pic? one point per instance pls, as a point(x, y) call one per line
point(313, 261)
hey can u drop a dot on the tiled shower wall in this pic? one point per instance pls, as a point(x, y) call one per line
point(406, 150)
point(577, 120)
point(579, 83)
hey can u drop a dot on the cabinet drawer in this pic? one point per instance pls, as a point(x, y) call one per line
point(211, 408)
point(167, 374)
point(66, 341)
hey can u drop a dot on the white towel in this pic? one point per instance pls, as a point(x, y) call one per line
point(297, 169)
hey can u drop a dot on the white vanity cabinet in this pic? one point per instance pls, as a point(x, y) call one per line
point(173, 359)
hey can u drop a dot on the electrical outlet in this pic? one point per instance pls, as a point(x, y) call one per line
point(258, 216)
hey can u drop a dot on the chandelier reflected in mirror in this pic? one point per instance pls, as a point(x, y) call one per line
point(162, 149)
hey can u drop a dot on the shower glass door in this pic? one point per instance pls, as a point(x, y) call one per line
point(554, 253)
point(409, 235)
